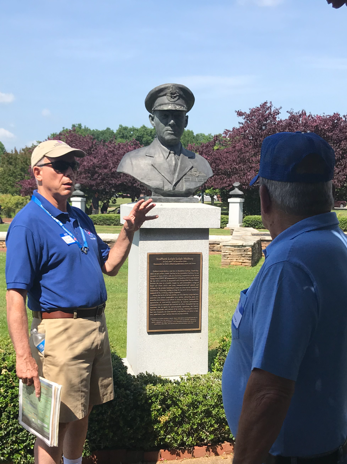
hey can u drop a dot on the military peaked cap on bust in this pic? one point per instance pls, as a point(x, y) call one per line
point(170, 97)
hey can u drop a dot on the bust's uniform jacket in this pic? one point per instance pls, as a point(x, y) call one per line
point(150, 166)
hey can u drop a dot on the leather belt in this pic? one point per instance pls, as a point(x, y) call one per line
point(73, 313)
point(329, 458)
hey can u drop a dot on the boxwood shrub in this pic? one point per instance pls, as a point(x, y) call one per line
point(343, 223)
point(16, 444)
point(222, 351)
point(253, 221)
point(224, 219)
point(148, 412)
point(105, 219)
point(11, 204)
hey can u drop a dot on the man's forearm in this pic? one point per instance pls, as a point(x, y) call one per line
point(121, 249)
point(265, 405)
point(119, 252)
point(17, 321)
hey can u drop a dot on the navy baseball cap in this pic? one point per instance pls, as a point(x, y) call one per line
point(281, 154)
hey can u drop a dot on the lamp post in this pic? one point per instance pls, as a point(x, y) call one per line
point(235, 201)
point(78, 198)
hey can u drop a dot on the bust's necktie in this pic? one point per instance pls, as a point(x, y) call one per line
point(172, 160)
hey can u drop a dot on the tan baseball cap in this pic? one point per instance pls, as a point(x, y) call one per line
point(53, 149)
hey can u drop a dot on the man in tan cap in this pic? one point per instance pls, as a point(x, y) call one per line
point(165, 167)
point(56, 259)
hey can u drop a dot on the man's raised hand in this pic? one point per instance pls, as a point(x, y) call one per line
point(137, 215)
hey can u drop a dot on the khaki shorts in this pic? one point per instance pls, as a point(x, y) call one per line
point(77, 356)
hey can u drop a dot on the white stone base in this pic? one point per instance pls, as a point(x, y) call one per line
point(235, 212)
point(79, 202)
point(180, 228)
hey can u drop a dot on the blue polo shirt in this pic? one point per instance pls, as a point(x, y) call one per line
point(55, 274)
point(292, 322)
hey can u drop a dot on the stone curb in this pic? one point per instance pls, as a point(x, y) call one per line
point(123, 456)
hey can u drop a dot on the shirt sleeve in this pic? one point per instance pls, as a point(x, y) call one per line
point(286, 314)
point(104, 249)
point(22, 258)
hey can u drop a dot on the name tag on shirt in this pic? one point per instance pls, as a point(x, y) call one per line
point(237, 315)
point(67, 239)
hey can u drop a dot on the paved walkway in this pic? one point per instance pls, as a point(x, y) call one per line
point(227, 459)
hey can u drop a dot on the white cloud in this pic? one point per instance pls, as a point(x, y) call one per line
point(5, 134)
point(46, 113)
point(6, 97)
point(339, 64)
point(270, 3)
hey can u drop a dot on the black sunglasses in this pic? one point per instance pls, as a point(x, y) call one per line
point(61, 166)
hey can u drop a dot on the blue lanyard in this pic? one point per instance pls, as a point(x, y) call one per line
point(83, 248)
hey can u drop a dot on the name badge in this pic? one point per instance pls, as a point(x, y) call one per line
point(67, 239)
point(237, 315)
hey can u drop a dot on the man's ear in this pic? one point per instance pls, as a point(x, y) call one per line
point(37, 173)
point(151, 119)
point(265, 199)
point(186, 121)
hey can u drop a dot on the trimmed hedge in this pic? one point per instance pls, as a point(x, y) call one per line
point(11, 204)
point(148, 412)
point(16, 444)
point(253, 221)
point(343, 223)
point(256, 222)
point(222, 351)
point(114, 220)
point(224, 219)
point(105, 219)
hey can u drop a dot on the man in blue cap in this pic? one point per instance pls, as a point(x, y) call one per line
point(285, 377)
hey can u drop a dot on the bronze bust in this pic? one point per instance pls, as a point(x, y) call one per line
point(165, 167)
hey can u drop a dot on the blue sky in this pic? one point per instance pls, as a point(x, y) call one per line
point(93, 62)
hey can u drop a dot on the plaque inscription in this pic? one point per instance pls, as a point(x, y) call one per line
point(174, 292)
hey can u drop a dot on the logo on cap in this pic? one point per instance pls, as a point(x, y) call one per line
point(172, 95)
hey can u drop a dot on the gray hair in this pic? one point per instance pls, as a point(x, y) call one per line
point(298, 198)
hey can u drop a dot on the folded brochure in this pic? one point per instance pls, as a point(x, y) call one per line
point(40, 416)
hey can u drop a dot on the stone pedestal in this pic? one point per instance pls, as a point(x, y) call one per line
point(79, 202)
point(180, 228)
point(235, 212)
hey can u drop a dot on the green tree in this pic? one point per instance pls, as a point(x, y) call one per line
point(14, 167)
point(144, 135)
point(104, 135)
point(189, 138)
point(2, 149)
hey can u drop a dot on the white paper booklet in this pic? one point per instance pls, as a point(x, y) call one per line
point(40, 416)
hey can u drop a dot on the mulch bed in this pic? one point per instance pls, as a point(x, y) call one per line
point(123, 456)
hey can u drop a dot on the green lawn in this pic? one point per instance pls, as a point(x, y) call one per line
point(224, 288)
point(116, 230)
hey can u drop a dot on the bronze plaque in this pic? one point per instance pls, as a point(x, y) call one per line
point(174, 292)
